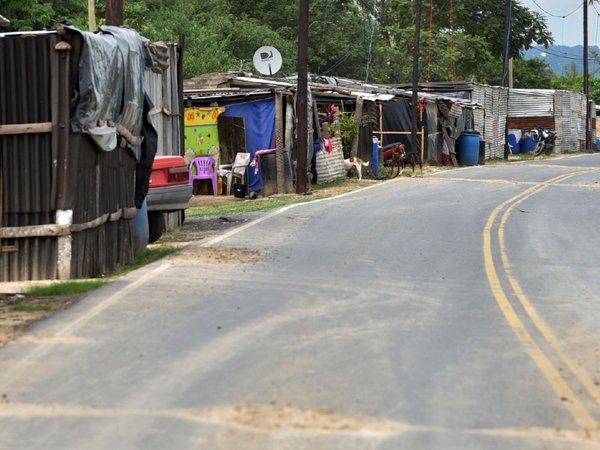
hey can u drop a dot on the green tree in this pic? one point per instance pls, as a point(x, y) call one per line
point(532, 73)
point(471, 45)
point(347, 38)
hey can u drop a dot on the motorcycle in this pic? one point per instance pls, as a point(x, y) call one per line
point(545, 143)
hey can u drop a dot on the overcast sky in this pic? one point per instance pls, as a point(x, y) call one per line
point(568, 30)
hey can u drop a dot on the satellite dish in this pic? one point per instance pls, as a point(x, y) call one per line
point(267, 60)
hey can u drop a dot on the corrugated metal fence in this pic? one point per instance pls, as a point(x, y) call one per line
point(490, 121)
point(564, 111)
point(65, 207)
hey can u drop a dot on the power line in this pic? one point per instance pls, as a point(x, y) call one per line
point(564, 55)
point(349, 52)
point(556, 15)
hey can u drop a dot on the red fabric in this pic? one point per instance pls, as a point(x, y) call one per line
point(256, 160)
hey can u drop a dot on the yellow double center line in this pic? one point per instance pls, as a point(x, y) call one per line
point(579, 411)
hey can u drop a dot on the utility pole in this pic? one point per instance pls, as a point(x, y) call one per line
point(507, 27)
point(415, 78)
point(114, 12)
point(91, 15)
point(302, 100)
point(586, 80)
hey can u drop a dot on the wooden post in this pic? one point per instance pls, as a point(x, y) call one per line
point(114, 12)
point(358, 119)
point(280, 170)
point(381, 123)
point(302, 100)
point(91, 15)
point(422, 143)
point(415, 77)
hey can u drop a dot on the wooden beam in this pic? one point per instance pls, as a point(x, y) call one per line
point(26, 128)
point(35, 231)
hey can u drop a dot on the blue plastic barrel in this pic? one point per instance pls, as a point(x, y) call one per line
point(467, 148)
point(375, 157)
point(528, 144)
point(141, 231)
point(514, 140)
point(598, 144)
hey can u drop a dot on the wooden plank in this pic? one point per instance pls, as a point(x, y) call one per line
point(26, 128)
point(35, 231)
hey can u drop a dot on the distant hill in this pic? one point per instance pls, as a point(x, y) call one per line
point(561, 57)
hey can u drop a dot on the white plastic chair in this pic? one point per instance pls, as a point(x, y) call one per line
point(237, 169)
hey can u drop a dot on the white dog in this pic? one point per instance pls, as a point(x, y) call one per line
point(355, 162)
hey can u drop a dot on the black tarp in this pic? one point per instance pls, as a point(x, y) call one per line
point(397, 117)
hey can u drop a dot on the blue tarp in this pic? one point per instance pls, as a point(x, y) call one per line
point(259, 118)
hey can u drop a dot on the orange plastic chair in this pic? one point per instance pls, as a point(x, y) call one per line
point(203, 168)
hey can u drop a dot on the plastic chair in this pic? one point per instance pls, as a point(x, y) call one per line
point(203, 168)
point(236, 170)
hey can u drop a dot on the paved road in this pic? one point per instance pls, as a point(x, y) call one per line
point(454, 311)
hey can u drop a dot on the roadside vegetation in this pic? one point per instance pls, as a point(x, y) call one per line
point(362, 40)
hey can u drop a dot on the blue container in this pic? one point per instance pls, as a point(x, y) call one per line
point(515, 144)
point(468, 148)
point(598, 144)
point(528, 144)
point(375, 157)
point(141, 230)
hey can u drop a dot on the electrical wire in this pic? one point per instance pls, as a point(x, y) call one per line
point(430, 55)
point(559, 16)
point(453, 59)
point(373, 26)
point(564, 55)
point(345, 56)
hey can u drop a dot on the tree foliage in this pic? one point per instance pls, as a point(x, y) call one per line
point(357, 39)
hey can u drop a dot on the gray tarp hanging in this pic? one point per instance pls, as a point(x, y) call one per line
point(111, 88)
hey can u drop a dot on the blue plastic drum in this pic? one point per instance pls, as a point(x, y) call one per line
point(514, 140)
point(467, 148)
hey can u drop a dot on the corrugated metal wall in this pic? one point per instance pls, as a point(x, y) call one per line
point(46, 168)
point(531, 103)
point(162, 88)
point(490, 121)
point(570, 121)
point(563, 111)
point(26, 158)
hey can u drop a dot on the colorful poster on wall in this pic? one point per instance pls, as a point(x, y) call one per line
point(200, 131)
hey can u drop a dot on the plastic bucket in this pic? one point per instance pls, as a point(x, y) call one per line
point(239, 190)
point(468, 148)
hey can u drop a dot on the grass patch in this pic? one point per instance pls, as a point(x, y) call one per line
point(65, 288)
point(71, 287)
point(146, 256)
point(35, 307)
point(243, 206)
